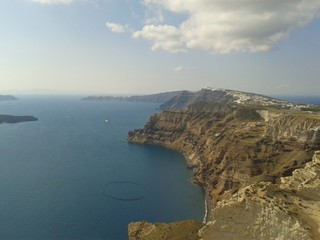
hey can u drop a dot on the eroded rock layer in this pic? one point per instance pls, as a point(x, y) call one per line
point(230, 147)
point(185, 230)
point(288, 210)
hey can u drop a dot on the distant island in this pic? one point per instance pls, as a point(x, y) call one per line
point(16, 119)
point(183, 99)
point(155, 98)
point(7, 98)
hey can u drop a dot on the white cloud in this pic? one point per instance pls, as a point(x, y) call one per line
point(178, 69)
point(156, 18)
point(221, 26)
point(154, 15)
point(116, 28)
point(164, 37)
point(52, 2)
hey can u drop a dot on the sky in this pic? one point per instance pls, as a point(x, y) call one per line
point(148, 46)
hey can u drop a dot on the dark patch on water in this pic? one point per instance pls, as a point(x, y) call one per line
point(124, 191)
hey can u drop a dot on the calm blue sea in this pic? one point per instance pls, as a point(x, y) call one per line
point(301, 99)
point(66, 176)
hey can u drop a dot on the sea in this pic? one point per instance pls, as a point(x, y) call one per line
point(301, 99)
point(72, 175)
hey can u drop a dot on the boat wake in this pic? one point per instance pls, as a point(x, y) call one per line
point(124, 191)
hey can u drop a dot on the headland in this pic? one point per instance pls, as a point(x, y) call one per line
point(255, 156)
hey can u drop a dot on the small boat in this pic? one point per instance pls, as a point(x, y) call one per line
point(106, 120)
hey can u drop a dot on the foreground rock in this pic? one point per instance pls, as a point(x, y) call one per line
point(289, 210)
point(185, 230)
point(244, 157)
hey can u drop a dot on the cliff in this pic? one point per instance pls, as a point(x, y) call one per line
point(185, 230)
point(226, 96)
point(239, 151)
point(288, 210)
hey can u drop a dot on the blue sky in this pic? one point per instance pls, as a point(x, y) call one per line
point(149, 46)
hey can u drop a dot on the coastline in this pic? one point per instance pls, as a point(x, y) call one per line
point(208, 207)
point(253, 156)
point(207, 200)
point(188, 160)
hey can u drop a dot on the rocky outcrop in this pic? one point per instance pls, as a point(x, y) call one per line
point(241, 157)
point(185, 230)
point(288, 210)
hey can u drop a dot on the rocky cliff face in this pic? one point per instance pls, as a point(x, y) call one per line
point(185, 230)
point(288, 210)
point(229, 150)
point(239, 151)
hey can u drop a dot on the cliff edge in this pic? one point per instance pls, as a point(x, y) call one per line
point(230, 147)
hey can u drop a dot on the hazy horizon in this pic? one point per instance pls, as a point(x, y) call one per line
point(289, 97)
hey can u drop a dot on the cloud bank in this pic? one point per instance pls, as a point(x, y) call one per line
point(52, 2)
point(226, 26)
